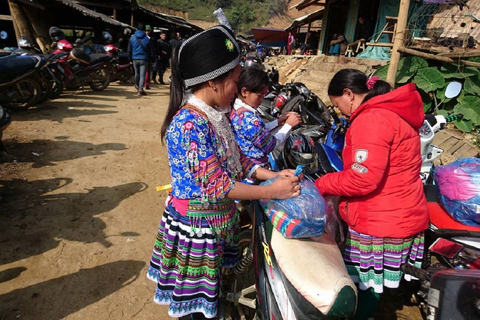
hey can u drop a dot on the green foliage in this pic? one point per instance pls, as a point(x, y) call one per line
point(432, 80)
point(243, 15)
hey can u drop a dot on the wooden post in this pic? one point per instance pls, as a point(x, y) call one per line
point(20, 24)
point(399, 38)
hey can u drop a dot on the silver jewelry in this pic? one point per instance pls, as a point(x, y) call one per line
point(218, 119)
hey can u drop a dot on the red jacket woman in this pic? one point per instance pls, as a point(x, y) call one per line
point(381, 194)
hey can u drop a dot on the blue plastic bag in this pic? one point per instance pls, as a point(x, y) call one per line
point(459, 190)
point(299, 217)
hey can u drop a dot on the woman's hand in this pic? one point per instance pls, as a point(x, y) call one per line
point(285, 187)
point(292, 118)
point(286, 173)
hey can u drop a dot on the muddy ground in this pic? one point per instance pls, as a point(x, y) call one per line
point(79, 209)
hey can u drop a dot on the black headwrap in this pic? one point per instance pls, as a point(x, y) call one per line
point(207, 55)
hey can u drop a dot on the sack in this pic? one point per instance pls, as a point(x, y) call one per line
point(299, 217)
point(459, 190)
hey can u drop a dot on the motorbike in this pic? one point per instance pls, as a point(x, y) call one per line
point(81, 69)
point(19, 84)
point(285, 282)
point(450, 275)
point(122, 69)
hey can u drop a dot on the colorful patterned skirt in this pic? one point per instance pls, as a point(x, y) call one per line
point(188, 255)
point(374, 262)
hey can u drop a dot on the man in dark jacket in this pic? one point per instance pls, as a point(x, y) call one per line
point(139, 54)
point(164, 49)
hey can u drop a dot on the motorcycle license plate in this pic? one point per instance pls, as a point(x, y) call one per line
point(446, 248)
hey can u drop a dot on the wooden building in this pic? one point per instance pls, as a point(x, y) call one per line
point(33, 18)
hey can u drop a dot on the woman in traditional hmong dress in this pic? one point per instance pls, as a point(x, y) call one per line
point(254, 137)
point(197, 233)
point(382, 199)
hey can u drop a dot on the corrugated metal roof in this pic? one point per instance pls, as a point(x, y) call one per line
point(93, 14)
point(171, 19)
point(316, 15)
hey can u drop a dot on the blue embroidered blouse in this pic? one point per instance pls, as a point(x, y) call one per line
point(197, 168)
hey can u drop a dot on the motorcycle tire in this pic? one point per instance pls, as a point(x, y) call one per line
point(243, 279)
point(126, 75)
point(57, 89)
point(45, 92)
point(292, 104)
point(28, 92)
point(101, 79)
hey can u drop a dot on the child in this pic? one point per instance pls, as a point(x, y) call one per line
point(253, 136)
point(196, 236)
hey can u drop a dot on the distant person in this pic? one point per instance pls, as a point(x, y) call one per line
point(290, 41)
point(366, 28)
point(175, 43)
point(338, 46)
point(165, 50)
point(306, 45)
point(153, 56)
point(139, 55)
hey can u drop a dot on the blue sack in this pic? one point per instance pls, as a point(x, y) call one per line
point(299, 217)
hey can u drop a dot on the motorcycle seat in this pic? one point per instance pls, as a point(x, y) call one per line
point(99, 57)
point(15, 65)
point(439, 217)
point(317, 271)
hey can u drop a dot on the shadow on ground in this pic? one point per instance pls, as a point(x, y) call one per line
point(32, 220)
point(57, 298)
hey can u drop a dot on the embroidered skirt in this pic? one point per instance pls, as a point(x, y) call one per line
point(188, 255)
point(374, 262)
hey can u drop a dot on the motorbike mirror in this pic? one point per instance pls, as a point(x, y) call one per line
point(453, 89)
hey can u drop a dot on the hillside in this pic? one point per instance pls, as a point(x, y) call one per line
point(242, 14)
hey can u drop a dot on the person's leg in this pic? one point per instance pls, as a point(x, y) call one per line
point(154, 71)
point(147, 74)
point(368, 302)
point(163, 68)
point(136, 68)
point(143, 64)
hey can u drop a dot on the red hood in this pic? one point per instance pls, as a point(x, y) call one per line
point(404, 101)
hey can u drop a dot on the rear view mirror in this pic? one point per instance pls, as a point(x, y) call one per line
point(453, 89)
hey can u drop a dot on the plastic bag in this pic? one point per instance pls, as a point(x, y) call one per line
point(299, 217)
point(459, 190)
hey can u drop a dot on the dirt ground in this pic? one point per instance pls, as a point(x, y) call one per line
point(79, 209)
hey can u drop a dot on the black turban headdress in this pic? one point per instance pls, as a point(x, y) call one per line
point(207, 55)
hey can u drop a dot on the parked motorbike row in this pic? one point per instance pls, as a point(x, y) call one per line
point(28, 79)
point(282, 286)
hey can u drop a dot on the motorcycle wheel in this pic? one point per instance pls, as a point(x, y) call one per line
point(126, 75)
point(46, 90)
point(57, 89)
point(27, 91)
point(237, 282)
point(292, 105)
point(101, 79)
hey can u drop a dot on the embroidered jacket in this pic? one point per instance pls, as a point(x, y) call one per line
point(254, 137)
point(380, 187)
point(198, 170)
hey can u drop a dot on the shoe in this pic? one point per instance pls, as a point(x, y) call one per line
point(161, 81)
point(147, 87)
point(141, 93)
point(136, 87)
